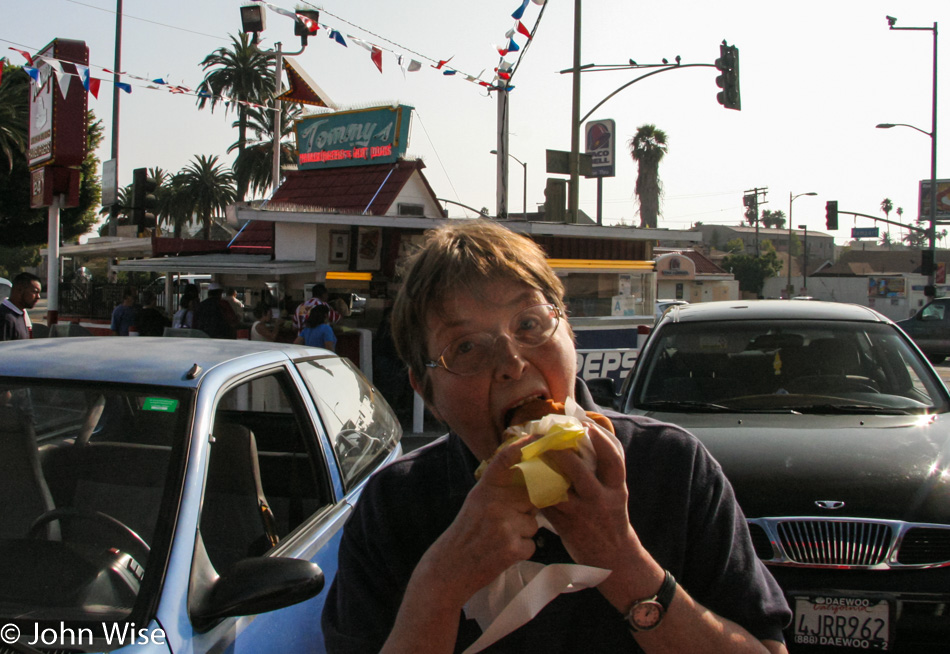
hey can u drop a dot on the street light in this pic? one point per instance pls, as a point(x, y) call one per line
point(791, 199)
point(805, 267)
point(932, 231)
point(524, 164)
point(253, 22)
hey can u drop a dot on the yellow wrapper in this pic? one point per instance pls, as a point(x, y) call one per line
point(546, 485)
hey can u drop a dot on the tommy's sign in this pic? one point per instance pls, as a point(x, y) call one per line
point(353, 138)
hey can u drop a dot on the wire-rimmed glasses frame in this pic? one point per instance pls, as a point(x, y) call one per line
point(472, 353)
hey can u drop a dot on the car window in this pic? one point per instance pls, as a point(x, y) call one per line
point(933, 311)
point(87, 496)
point(266, 476)
point(362, 427)
point(790, 364)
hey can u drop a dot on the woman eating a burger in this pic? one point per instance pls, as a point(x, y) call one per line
point(643, 548)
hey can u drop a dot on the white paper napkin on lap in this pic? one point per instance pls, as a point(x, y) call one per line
point(519, 594)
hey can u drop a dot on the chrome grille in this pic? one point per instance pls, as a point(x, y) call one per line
point(832, 542)
point(850, 543)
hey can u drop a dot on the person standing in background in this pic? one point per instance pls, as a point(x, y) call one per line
point(124, 314)
point(316, 332)
point(15, 322)
point(320, 295)
point(151, 321)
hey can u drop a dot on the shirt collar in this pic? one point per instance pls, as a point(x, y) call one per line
point(8, 304)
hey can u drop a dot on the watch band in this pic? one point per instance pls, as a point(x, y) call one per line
point(647, 614)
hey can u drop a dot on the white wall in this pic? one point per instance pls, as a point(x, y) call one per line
point(296, 242)
point(854, 290)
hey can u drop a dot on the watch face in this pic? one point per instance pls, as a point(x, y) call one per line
point(646, 615)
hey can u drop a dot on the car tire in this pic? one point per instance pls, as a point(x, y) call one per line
point(935, 359)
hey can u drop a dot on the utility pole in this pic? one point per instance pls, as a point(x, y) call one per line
point(114, 211)
point(751, 200)
point(573, 189)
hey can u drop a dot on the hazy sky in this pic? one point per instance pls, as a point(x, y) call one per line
point(816, 77)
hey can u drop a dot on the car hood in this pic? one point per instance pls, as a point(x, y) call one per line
point(890, 467)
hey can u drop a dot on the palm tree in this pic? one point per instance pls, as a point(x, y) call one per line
point(123, 209)
point(647, 148)
point(209, 186)
point(256, 163)
point(14, 113)
point(774, 219)
point(242, 73)
point(887, 206)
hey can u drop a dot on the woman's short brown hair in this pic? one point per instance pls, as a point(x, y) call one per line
point(462, 255)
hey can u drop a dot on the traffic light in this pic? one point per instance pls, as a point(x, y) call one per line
point(728, 81)
point(831, 214)
point(143, 199)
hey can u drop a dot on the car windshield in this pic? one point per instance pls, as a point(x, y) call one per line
point(782, 366)
point(88, 495)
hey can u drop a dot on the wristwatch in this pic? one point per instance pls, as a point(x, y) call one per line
point(647, 614)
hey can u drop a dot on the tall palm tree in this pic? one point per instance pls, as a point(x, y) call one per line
point(256, 162)
point(887, 206)
point(242, 73)
point(210, 187)
point(647, 147)
point(123, 208)
point(14, 113)
point(774, 219)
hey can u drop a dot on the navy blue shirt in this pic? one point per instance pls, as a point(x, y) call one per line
point(681, 506)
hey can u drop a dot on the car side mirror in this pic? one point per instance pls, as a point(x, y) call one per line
point(604, 391)
point(257, 585)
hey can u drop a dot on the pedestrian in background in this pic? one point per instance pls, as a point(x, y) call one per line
point(264, 327)
point(151, 321)
point(236, 305)
point(319, 295)
point(124, 314)
point(214, 315)
point(316, 331)
point(15, 322)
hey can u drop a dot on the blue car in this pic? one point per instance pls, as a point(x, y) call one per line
point(177, 495)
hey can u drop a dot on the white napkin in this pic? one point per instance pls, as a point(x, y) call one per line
point(519, 594)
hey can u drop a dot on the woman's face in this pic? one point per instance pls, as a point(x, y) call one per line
point(475, 407)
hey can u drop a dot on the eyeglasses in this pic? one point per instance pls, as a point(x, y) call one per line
point(472, 353)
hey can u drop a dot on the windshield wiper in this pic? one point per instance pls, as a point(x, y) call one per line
point(855, 409)
point(709, 407)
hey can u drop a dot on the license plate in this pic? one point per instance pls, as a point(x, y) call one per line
point(846, 622)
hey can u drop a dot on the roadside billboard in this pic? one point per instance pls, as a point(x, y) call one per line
point(601, 145)
point(353, 138)
point(943, 199)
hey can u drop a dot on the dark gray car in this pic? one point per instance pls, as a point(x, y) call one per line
point(930, 329)
point(835, 434)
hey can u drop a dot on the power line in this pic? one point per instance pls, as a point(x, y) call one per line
point(146, 20)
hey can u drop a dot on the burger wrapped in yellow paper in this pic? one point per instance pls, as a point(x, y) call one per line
point(557, 426)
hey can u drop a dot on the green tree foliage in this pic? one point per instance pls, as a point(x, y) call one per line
point(21, 225)
point(243, 73)
point(647, 147)
point(773, 219)
point(735, 246)
point(209, 187)
point(256, 162)
point(752, 271)
point(14, 114)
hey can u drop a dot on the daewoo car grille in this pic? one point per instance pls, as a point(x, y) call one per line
point(850, 543)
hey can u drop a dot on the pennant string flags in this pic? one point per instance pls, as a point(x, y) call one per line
point(40, 74)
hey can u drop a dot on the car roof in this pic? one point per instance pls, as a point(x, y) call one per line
point(144, 360)
point(769, 310)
